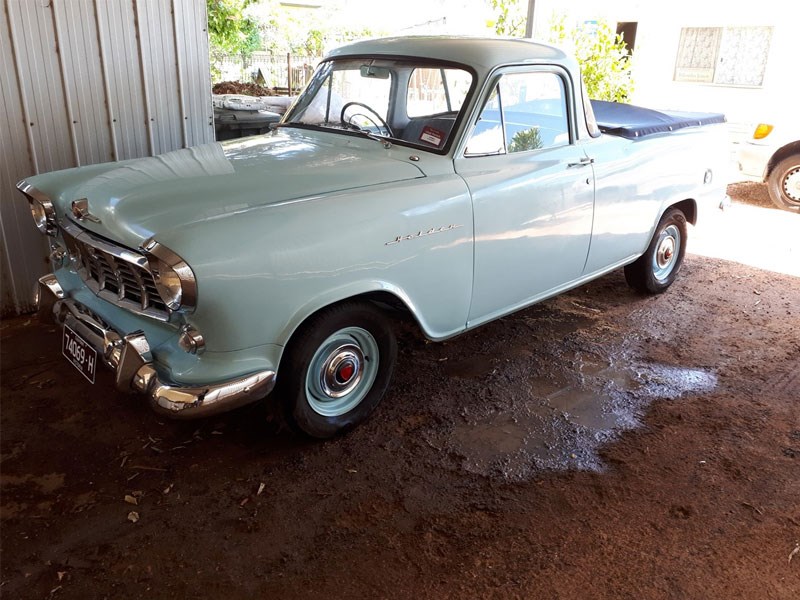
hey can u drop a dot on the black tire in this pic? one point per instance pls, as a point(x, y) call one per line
point(655, 270)
point(783, 184)
point(337, 369)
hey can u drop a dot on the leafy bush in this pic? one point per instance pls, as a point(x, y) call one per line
point(528, 139)
point(510, 17)
point(602, 55)
point(230, 30)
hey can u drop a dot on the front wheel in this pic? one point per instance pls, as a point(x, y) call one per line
point(783, 183)
point(337, 368)
point(655, 270)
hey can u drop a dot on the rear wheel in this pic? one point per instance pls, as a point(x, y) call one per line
point(337, 368)
point(783, 183)
point(656, 269)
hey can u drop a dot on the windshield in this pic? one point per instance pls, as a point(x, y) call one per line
point(415, 103)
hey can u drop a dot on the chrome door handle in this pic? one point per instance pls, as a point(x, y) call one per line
point(582, 163)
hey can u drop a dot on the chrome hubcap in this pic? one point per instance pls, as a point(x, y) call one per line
point(791, 184)
point(342, 371)
point(667, 248)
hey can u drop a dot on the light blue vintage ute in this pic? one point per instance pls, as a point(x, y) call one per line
point(458, 179)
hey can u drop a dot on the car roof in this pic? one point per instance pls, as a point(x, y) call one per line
point(481, 53)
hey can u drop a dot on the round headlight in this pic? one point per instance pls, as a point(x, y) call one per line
point(39, 215)
point(174, 279)
point(42, 211)
point(168, 283)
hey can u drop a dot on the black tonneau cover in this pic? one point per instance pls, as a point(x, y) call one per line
point(628, 121)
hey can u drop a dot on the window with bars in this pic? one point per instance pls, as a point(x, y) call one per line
point(723, 55)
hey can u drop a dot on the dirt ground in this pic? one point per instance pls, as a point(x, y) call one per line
point(238, 87)
point(598, 445)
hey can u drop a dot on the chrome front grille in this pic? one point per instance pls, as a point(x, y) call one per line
point(114, 273)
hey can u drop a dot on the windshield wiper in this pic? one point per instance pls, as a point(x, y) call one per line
point(366, 133)
point(349, 127)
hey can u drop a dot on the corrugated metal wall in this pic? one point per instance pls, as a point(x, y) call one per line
point(88, 81)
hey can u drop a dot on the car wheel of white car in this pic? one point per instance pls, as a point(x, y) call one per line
point(784, 183)
point(656, 269)
point(337, 368)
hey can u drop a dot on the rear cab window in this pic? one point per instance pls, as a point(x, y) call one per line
point(434, 98)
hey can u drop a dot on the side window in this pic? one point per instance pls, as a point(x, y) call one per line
point(534, 111)
point(487, 137)
point(436, 91)
point(525, 111)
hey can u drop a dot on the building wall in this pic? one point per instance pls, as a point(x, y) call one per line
point(657, 42)
point(89, 81)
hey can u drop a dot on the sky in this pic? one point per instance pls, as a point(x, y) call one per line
point(423, 16)
point(390, 17)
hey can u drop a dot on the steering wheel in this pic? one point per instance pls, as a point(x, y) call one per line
point(377, 121)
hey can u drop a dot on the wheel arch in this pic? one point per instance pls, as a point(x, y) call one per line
point(386, 297)
point(655, 270)
point(781, 153)
point(688, 207)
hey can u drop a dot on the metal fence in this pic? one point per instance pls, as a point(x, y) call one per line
point(267, 69)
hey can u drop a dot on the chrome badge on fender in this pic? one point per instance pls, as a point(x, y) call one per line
point(419, 234)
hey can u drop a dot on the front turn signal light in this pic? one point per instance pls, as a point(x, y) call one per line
point(762, 131)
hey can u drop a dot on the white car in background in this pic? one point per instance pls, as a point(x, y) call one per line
point(772, 155)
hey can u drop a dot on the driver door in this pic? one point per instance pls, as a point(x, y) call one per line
point(532, 190)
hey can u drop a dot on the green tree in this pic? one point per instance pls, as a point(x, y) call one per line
point(528, 139)
point(289, 30)
point(230, 30)
point(510, 17)
point(602, 55)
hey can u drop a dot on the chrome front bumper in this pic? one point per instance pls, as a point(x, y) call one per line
point(130, 359)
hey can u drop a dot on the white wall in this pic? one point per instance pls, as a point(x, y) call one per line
point(656, 50)
point(88, 81)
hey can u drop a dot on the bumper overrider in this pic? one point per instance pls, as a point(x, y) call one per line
point(129, 357)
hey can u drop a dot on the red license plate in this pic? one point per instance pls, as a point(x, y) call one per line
point(80, 353)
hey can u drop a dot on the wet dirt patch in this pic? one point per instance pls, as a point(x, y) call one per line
point(471, 368)
point(563, 427)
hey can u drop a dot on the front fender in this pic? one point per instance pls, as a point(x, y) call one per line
point(262, 272)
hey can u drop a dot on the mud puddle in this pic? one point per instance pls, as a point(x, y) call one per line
point(560, 424)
